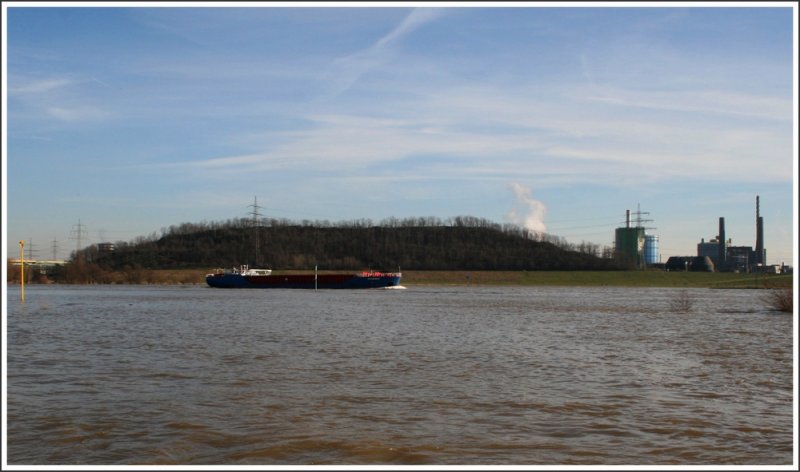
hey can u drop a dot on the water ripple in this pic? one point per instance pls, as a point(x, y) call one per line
point(539, 376)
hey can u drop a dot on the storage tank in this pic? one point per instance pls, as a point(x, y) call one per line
point(629, 244)
point(651, 255)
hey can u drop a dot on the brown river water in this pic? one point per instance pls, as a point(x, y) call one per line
point(136, 375)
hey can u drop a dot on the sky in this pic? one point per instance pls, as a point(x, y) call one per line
point(121, 120)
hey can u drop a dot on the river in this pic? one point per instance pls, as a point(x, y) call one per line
point(190, 375)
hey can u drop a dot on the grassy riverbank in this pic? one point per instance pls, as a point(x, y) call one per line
point(509, 278)
point(545, 278)
point(598, 279)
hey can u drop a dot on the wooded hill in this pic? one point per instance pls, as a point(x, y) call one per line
point(460, 243)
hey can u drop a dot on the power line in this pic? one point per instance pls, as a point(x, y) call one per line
point(594, 218)
point(557, 228)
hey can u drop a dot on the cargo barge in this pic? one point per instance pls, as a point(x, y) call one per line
point(245, 277)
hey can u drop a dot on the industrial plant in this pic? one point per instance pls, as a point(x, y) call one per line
point(634, 245)
point(729, 258)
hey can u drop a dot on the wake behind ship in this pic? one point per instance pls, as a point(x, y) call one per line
point(245, 277)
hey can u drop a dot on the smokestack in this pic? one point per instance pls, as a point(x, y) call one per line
point(627, 218)
point(722, 255)
point(759, 234)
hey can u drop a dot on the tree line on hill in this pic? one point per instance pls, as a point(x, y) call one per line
point(459, 243)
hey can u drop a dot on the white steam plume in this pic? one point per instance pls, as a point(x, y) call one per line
point(534, 210)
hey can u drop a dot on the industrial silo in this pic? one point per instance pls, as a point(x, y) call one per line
point(629, 244)
point(629, 241)
point(651, 255)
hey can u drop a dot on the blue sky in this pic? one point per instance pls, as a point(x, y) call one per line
point(130, 120)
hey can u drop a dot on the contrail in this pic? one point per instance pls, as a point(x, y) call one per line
point(344, 72)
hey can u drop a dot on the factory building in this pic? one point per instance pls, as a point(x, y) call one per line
point(710, 249)
point(106, 248)
point(633, 245)
point(741, 259)
point(729, 258)
point(736, 259)
point(689, 264)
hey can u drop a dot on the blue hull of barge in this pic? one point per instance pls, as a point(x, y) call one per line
point(327, 281)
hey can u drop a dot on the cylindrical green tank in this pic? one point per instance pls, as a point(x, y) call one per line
point(629, 243)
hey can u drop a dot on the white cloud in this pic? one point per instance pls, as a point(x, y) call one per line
point(508, 132)
point(65, 99)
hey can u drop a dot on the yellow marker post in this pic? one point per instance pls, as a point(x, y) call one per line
point(22, 271)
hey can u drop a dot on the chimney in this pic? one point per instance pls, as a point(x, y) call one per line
point(759, 234)
point(722, 255)
point(627, 218)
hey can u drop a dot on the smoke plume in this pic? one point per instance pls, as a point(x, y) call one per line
point(531, 216)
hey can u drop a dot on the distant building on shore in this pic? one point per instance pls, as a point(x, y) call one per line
point(106, 248)
point(634, 245)
point(689, 264)
point(729, 258)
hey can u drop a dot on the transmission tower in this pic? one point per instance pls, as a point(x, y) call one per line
point(256, 215)
point(55, 249)
point(638, 218)
point(31, 253)
point(80, 233)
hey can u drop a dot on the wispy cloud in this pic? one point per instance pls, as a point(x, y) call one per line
point(415, 19)
point(344, 72)
point(502, 133)
point(702, 101)
point(65, 99)
point(75, 113)
point(33, 86)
